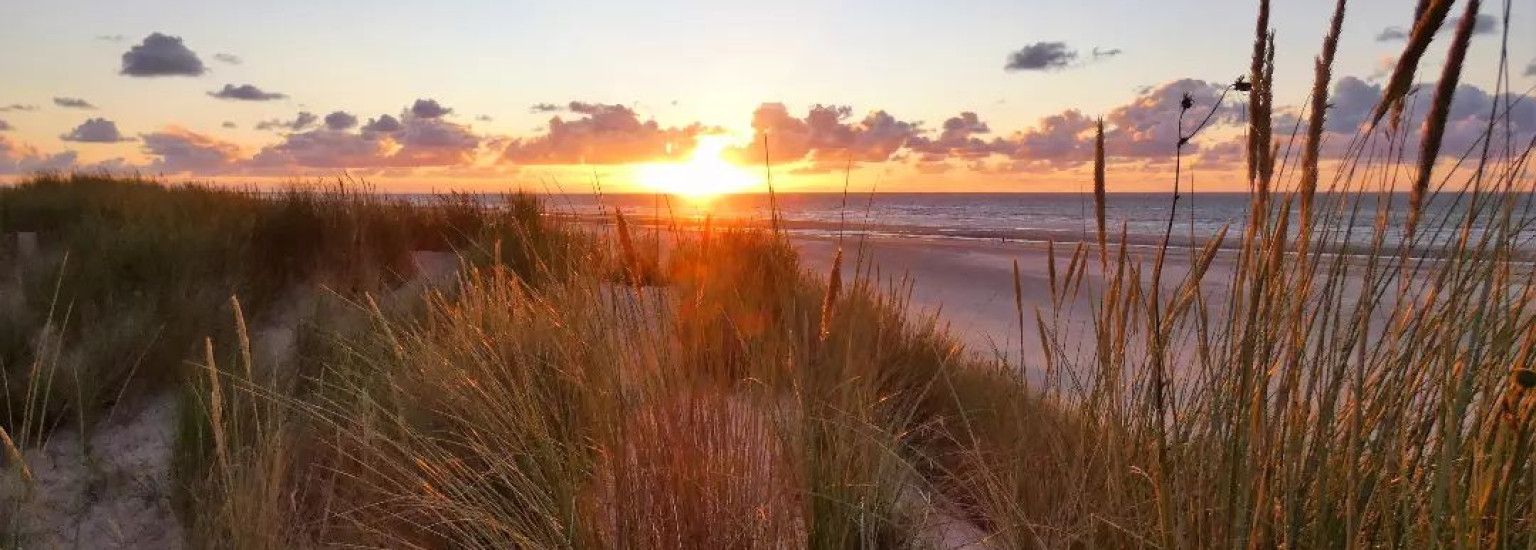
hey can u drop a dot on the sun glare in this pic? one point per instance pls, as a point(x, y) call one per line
point(704, 176)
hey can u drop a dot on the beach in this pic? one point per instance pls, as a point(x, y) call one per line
point(969, 283)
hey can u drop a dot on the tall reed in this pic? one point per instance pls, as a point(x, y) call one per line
point(1439, 110)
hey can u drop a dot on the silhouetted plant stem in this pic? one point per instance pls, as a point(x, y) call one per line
point(773, 201)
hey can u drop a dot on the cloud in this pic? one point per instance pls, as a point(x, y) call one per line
point(1468, 119)
point(18, 107)
point(604, 134)
point(957, 138)
point(934, 167)
point(408, 141)
point(177, 150)
point(585, 108)
point(1530, 69)
point(1041, 56)
point(1353, 100)
point(73, 103)
point(1384, 66)
point(161, 55)
point(20, 158)
point(323, 148)
point(879, 135)
point(95, 130)
point(433, 142)
point(300, 121)
point(5, 126)
point(245, 92)
point(544, 108)
point(1106, 53)
point(429, 108)
point(1061, 140)
point(229, 124)
point(1229, 154)
point(825, 135)
point(1143, 129)
point(1484, 24)
point(340, 120)
point(484, 118)
point(1392, 33)
point(229, 58)
point(1147, 128)
point(385, 124)
point(111, 37)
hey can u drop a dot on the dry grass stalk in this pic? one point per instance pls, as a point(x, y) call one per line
point(1263, 126)
point(1439, 111)
point(1098, 193)
point(1018, 308)
point(834, 286)
point(1256, 78)
point(216, 407)
point(243, 335)
point(1428, 19)
point(628, 256)
point(1318, 111)
point(14, 455)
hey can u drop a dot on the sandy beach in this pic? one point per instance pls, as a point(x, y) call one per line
point(968, 283)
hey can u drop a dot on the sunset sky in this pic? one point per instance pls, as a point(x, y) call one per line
point(928, 96)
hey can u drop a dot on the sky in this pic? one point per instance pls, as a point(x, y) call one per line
point(981, 95)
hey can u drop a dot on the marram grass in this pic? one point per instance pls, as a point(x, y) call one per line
point(566, 391)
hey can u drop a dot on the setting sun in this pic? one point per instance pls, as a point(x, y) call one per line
point(705, 175)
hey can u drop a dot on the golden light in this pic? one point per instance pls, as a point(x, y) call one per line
point(704, 176)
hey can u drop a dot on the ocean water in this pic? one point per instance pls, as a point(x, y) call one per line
point(1060, 217)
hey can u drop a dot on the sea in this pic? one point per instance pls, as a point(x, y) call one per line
point(1142, 218)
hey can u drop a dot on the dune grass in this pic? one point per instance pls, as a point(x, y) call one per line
point(134, 272)
point(131, 277)
point(567, 390)
point(1382, 398)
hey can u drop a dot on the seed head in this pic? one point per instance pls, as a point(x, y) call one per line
point(1242, 84)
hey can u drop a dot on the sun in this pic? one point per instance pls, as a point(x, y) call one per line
point(704, 176)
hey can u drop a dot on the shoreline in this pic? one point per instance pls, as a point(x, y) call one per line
point(1524, 257)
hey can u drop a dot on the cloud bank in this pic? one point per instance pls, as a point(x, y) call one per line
point(414, 139)
point(18, 158)
point(602, 134)
point(1142, 132)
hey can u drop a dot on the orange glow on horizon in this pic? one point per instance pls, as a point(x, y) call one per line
point(705, 175)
